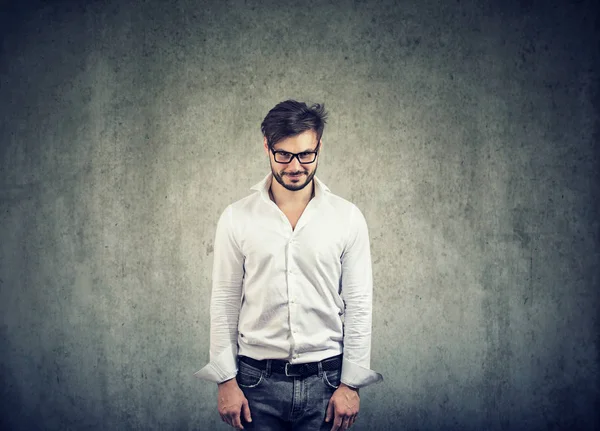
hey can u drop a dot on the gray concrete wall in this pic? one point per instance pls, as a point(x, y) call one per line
point(464, 131)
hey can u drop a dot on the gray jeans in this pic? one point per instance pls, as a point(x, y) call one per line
point(278, 402)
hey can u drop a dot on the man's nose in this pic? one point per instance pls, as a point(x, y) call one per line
point(294, 165)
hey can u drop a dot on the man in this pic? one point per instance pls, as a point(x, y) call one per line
point(290, 338)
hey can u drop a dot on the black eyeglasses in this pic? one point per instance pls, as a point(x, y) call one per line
point(303, 157)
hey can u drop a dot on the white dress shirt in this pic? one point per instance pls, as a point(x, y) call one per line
point(301, 295)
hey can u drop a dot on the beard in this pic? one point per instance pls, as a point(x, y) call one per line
point(285, 180)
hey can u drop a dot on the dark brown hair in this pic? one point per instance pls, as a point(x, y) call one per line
point(290, 118)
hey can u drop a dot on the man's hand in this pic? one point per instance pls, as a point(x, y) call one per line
point(233, 404)
point(343, 407)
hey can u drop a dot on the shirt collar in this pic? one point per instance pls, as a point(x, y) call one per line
point(263, 186)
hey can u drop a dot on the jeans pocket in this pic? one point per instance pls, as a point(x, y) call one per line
point(248, 376)
point(332, 378)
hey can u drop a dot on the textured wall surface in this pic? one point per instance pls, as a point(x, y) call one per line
point(464, 131)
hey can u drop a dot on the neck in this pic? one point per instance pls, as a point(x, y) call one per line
point(284, 197)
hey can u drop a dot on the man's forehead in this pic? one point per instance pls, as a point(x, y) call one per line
point(292, 149)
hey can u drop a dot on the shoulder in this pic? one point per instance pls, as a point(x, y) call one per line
point(245, 205)
point(339, 204)
point(346, 209)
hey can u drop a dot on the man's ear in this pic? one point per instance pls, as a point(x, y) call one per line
point(265, 145)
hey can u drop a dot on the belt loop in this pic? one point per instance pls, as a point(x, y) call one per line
point(320, 368)
point(268, 368)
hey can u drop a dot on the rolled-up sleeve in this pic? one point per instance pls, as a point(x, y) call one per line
point(357, 293)
point(227, 278)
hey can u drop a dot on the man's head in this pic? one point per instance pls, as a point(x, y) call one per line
point(293, 127)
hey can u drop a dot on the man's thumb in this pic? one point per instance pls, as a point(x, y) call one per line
point(329, 413)
point(246, 411)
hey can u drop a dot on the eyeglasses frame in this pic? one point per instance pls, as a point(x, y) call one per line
point(297, 155)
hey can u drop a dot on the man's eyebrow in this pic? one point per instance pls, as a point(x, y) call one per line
point(304, 151)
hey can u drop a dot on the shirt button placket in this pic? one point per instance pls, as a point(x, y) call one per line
point(291, 294)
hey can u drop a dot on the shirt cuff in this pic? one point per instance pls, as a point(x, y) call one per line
point(357, 376)
point(221, 368)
